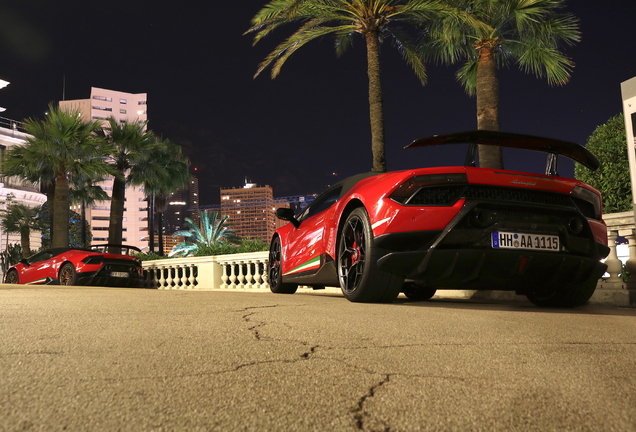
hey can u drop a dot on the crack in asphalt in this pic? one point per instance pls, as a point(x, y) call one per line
point(255, 327)
point(359, 413)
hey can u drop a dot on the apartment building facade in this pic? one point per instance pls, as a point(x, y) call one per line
point(251, 210)
point(124, 107)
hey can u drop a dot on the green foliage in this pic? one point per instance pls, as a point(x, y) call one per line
point(75, 230)
point(11, 256)
point(245, 246)
point(20, 218)
point(213, 238)
point(210, 235)
point(149, 256)
point(253, 245)
point(380, 19)
point(59, 148)
point(609, 143)
point(528, 33)
point(624, 275)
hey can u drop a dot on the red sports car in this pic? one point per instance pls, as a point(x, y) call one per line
point(461, 227)
point(76, 266)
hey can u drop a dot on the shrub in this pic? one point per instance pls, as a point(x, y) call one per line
point(609, 144)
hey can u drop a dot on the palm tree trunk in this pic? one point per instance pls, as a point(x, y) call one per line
point(117, 211)
point(487, 90)
point(160, 232)
point(83, 224)
point(50, 199)
point(60, 210)
point(151, 223)
point(375, 102)
point(25, 242)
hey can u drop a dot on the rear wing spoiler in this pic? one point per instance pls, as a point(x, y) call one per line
point(551, 146)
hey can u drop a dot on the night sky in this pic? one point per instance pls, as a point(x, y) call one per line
point(296, 131)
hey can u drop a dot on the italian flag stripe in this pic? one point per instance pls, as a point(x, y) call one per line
point(311, 264)
point(36, 281)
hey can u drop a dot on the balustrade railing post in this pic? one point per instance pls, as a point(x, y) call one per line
point(614, 265)
point(162, 277)
point(225, 277)
point(170, 277)
point(630, 264)
point(257, 273)
point(182, 277)
point(232, 265)
point(241, 275)
point(265, 273)
point(248, 274)
point(192, 279)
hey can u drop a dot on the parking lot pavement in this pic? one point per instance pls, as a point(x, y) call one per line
point(97, 359)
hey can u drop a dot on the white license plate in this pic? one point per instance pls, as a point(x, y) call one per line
point(511, 240)
point(119, 274)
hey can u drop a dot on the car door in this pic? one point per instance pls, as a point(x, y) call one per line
point(40, 267)
point(306, 243)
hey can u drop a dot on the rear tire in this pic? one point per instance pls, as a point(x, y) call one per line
point(275, 270)
point(571, 296)
point(360, 278)
point(416, 292)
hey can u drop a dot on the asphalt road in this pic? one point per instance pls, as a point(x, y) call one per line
point(82, 359)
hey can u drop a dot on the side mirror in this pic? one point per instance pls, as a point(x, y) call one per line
point(288, 215)
point(25, 262)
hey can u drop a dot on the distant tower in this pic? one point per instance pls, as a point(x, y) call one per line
point(182, 203)
point(250, 210)
point(123, 107)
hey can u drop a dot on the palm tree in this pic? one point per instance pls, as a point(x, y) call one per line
point(211, 232)
point(133, 146)
point(375, 20)
point(164, 173)
point(60, 146)
point(529, 33)
point(21, 218)
point(31, 163)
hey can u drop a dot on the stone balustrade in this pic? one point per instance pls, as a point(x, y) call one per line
point(235, 271)
point(620, 224)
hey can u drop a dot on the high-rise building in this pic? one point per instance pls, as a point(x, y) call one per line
point(251, 210)
point(182, 203)
point(124, 107)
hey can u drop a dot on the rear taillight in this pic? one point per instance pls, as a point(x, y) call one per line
point(412, 186)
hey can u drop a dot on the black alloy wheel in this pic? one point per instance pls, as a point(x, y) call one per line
point(68, 276)
point(360, 278)
point(12, 277)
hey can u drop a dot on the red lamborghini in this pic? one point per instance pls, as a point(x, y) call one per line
point(462, 227)
point(76, 266)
